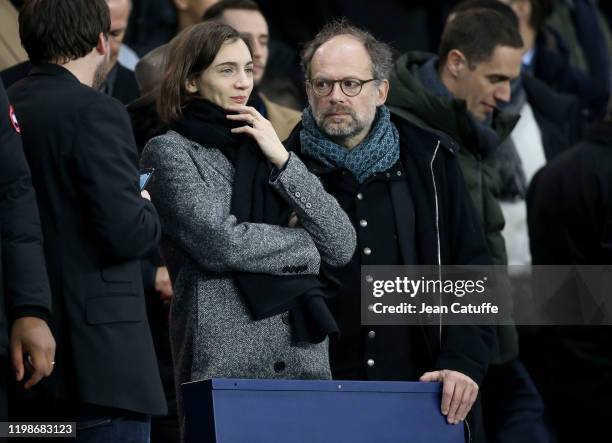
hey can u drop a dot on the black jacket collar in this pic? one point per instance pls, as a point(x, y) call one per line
point(53, 69)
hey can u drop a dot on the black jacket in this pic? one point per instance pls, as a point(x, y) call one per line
point(430, 158)
point(24, 288)
point(570, 204)
point(96, 227)
point(569, 212)
point(124, 88)
point(447, 232)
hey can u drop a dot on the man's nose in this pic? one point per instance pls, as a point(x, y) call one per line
point(336, 95)
point(257, 48)
point(503, 92)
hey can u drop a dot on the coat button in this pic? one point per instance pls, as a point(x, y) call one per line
point(279, 366)
point(371, 334)
point(303, 199)
point(360, 196)
point(308, 205)
point(399, 173)
point(367, 251)
point(363, 223)
point(298, 195)
point(371, 362)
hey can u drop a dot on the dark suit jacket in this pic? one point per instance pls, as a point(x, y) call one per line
point(24, 288)
point(96, 227)
point(125, 88)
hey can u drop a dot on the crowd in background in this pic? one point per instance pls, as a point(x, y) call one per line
point(529, 128)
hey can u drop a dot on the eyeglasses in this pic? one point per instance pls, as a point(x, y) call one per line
point(351, 87)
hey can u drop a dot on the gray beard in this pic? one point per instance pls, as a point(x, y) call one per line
point(340, 133)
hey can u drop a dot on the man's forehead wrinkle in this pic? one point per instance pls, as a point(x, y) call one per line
point(341, 56)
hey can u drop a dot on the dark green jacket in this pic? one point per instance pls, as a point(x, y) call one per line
point(410, 99)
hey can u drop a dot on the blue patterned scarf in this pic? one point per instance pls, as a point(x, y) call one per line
point(376, 153)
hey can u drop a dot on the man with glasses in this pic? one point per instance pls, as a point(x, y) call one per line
point(404, 192)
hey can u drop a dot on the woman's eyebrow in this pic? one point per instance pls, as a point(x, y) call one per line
point(233, 64)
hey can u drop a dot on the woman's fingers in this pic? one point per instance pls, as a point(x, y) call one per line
point(242, 109)
point(246, 117)
point(245, 130)
point(262, 131)
point(243, 117)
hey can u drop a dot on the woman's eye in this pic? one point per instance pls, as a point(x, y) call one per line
point(227, 71)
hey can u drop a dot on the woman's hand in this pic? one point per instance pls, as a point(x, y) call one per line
point(262, 131)
point(294, 221)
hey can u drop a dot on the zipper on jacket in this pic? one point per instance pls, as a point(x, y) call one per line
point(439, 249)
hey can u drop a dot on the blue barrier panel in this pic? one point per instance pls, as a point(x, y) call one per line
point(297, 411)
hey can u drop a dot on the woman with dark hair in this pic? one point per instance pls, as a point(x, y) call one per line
point(248, 298)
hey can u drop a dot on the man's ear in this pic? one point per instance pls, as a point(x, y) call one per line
point(181, 5)
point(382, 89)
point(456, 63)
point(102, 45)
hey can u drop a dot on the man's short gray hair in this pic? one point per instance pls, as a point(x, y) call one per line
point(380, 53)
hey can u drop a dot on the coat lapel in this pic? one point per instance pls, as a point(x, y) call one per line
point(214, 159)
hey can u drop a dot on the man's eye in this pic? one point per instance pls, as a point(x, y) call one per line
point(321, 84)
point(350, 83)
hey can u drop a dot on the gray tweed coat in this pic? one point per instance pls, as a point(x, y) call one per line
point(211, 332)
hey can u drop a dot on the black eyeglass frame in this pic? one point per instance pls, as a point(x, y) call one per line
point(333, 84)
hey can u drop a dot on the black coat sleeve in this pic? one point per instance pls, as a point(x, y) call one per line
point(25, 286)
point(107, 167)
point(466, 348)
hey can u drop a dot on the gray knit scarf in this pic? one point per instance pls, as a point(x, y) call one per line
point(376, 153)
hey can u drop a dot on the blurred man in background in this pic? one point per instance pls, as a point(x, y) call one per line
point(25, 298)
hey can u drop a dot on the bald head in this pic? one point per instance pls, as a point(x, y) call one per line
point(340, 52)
point(343, 91)
point(119, 15)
